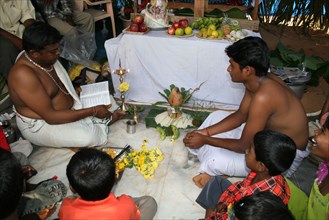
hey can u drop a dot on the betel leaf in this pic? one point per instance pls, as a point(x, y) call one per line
point(289, 57)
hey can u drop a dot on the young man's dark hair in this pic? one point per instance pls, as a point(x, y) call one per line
point(39, 35)
point(262, 205)
point(91, 173)
point(275, 150)
point(251, 51)
point(11, 183)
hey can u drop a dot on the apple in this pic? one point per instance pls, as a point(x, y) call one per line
point(134, 28)
point(138, 19)
point(143, 27)
point(179, 32)
point(183, 23)
point(171, 30)
point(176, 25)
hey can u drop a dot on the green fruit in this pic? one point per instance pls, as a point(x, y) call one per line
point(212, 27)
point(220, 34)
point(188, 30)
point(162, 132)
point(179, 32)
point(176, 132)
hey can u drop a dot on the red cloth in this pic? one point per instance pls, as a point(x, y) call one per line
point(122, 207)
point(276, 184)
point(3, 141)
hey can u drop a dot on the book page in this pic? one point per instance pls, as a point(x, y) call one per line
point(95, 94)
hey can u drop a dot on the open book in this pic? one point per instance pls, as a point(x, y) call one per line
point(95, 94)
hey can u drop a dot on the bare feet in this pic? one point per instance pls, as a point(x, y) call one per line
point(201, 180)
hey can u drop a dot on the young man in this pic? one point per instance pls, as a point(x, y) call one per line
point(267, 103)
point(49, 112)
point(91, 174)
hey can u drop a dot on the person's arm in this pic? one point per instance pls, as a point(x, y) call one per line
point(27, 13)
point(29, 89)
point(254, 112)
point(17, 42)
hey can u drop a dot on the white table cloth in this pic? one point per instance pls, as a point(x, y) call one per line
point(156, 60)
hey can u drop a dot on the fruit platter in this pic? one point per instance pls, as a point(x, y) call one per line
point(137, 26)
point(218, 29)
point(180, 28)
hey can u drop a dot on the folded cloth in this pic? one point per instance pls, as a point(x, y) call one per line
point(46, 194)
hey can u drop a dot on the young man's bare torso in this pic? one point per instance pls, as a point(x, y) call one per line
point(268, 103)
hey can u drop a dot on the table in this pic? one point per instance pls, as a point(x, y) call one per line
point(156, 60)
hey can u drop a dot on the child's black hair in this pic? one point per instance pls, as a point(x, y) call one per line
point(260, 206)
point(91, 173)
point(275, 150)
point(11, 183)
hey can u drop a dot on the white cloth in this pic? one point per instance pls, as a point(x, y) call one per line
point(219, 161)
point(13, 13)
point(156, 60)
point(300, 155)
point(86, 132)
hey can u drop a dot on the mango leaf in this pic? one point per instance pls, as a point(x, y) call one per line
point(172, 86)
point(167, 92)
point(163, 95)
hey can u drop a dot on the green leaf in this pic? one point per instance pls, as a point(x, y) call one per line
point(163, 95)
point(167, 92)
point(172, 86)
point(313, 63)
point(276, 61)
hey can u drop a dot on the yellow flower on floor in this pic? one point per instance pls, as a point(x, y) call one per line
point(146, 161)
point(123, 87)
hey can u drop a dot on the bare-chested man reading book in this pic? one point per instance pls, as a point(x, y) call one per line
point(49, 112)
point(268, 103)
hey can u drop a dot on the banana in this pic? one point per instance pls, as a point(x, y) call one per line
point(162, 132)
point(176, 132)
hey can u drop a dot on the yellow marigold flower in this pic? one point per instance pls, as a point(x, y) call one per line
point(123, 87)
point(121, 166)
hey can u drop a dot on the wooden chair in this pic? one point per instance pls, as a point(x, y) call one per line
point(83, 5)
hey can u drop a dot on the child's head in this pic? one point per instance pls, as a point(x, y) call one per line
point(261, 205)
point(91, 173)
point(11, 183)
point(271, 150)
point(320, 146)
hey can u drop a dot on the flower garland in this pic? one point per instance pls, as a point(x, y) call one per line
point(146, 161)
point(322, 172)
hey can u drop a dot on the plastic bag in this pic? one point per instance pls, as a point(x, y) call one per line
point(79, 48)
